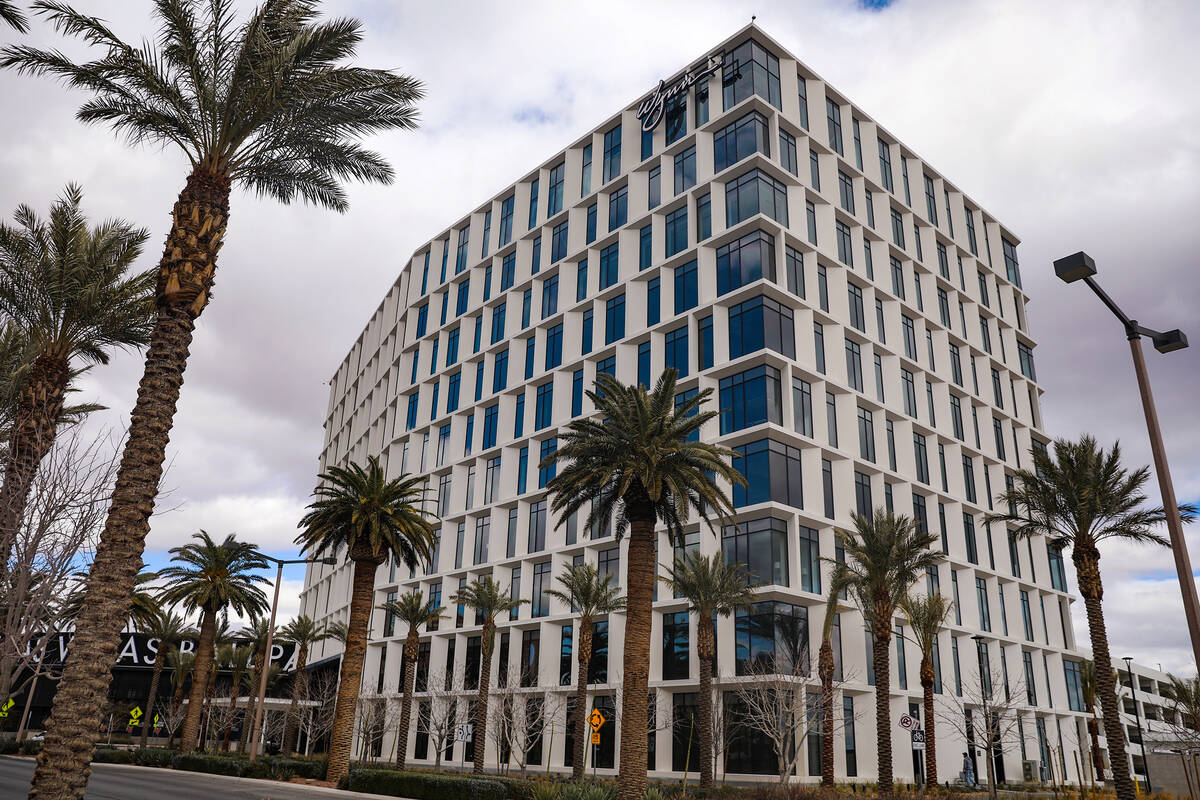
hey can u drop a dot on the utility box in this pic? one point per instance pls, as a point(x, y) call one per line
point(1030, 771)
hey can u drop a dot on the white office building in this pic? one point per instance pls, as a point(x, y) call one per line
point(862, 324)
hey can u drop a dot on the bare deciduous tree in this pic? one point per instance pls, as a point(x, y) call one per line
point(774, 705)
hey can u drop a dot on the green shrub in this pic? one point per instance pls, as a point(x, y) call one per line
point(584, 790)
point(652, 794)
point(9, 747)
point(546, 791)
point(111, 755)
point(202, 762)
point(424, 786)
point(153, 756)
point(30, 748)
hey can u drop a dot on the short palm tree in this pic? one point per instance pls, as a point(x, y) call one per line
point(302, 632)
point(826, 669)
point(634, 462)
point(489, 599)
point(271, 105)
point(414, 612)
point(167, 630)
point(339, 632)
point(926, 618)
point(71, 290)
point(238, 659)
point(359, 511)
point(211, 577)
point(589, 595)
point(1087, 687)
point(712, 587)
point(255, 637)
point(885, 555)
point(1077, 498)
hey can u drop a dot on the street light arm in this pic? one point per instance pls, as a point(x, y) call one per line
point(1108, 301)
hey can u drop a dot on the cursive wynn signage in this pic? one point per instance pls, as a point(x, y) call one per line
point(650, 110)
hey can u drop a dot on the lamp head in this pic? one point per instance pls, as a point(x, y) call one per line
point(1170, 341)
point(1074, 267)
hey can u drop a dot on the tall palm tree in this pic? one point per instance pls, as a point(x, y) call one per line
point(926, 618)
point(302, 632)
point(1087, 687)
point(211, 577)
point(633, 461)
point(239, 659)
point(359, 511)
point(826, 668)
point(589, 595)
point(168, 630)
point(13, 16)
point(489, 599)
point(711, 587)
point(70, 289)
point(414, 612)
point(885, 555)
point(270, 105)
point(255, 637)
point(1077, 498)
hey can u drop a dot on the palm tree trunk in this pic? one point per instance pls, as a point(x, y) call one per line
point(927, 676)
point(361, 600)
point(410, 680)
point(1087, 569)
point(1093, 727)
point(705, 651)
point(35, 425)
point(640, 576)
point(881, 658)
point(185, 277)
point(825, 669)
point(481, 704)
point(233, 704)
point(152, 696)
point(201, 669)
point(579, 754)
point(252, 698)
point(176, 699)
point(299, 685)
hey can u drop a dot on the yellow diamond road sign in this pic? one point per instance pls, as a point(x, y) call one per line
point(7, 705)
point(135, 714)
point(596, 719)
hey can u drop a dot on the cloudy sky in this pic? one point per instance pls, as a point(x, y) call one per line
point(1076, 123)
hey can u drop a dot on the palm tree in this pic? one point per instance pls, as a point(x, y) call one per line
point(885, 555)
point(271, 105)
point(239, 659)
point(926, 617)
point(144, 607)
point(182, 665)
point(826, 668)
point(211, 577)
point(13, 16)
point(303, 633)
point(410, 609)
point(1078, 498)
point(489, 600)
point(589, 595)
point(372, 519)
point(69, 288)
point(633, 461)
point(339, 632)
point(1185, 694)
point(712, 587)
point(168, 630)
point(1087, 687)
point(255, 637)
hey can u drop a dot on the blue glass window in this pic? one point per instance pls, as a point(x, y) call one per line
point(751, 398)
point(498, 315)
point(586, 334)
point(544, 408)
point(653, 302)
point(677, 351)
point(685, 170)
point(614, 319)
point(491, 415)
point(607, 366)
point(677, 231)
point(530, 350)
point(411, 421)
point(519, 418)
point(755, 192)
point(618, 208)
point(802, 91)
point(654, 184)
point(506, 218)
point(508, 271)
point(460, 260)
point(608, 266)
point(425, 274)
point(422, 320)
point(761, 322)
point(546, 473)
point(526, 307)
point(675, 118)
point(522, 470)
point(535, 262)
point(772, 471)
point(647, 144)
point(487, 232)
point(452, 347)
point(646, 239)
point(554, 202)
point(554, 346)
point(703, 218)
point(760, 545)
point(705, 343)
point(577, 393)
point(643, 364)
point(487, 283)
point(744, 261)
point(787, 152)
point(550, 296)
point(464, 295)
point(740, 139)
point(500, 371)
point(558, 243)
point(687, 290)
point(680, 399)
point(445, 257)
point(452, 389)
point(585, 179)
point(591, 224)
point(533, 203)
point(479, 366)
point(612, 153)
point(581, 279)
point(750, 69)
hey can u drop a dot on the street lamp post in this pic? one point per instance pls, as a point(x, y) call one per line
point(1080, 266)
point(262, 679)
point(1138, 716)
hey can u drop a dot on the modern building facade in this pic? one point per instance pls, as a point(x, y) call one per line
point(862, 324)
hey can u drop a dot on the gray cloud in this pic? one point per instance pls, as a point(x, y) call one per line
point(1074, 123)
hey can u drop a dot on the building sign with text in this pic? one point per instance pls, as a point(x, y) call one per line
point(139, 650)
point(650, 110)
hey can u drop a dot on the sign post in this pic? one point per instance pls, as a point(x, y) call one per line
point(596, 720)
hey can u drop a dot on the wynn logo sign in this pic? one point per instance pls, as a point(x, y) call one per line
point(650, 110)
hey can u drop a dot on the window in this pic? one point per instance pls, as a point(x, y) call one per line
point(618, 208)
point(771, 637)
point(550, 296)
point(1074, 685)
point(460, 258)
point(857, 318)
point(554, 201)
point(981, 597)
point(490, 416)
point(585, 179)
point(910, 336)
point(703, 218)
point(677, 231)
point(814, 169)
point(585, 345)
point(701, 109)
point(739, 140)
point(676, 647)
point(833, 115)
point(558, 244)
point(802, 407)
point(744, 261)
point(564, 655)
point(971, 231)
point(772, 472)
point(508, 271)
point(519, 417)
point(854, 365)
point(537, 538)
point(654, 182)
point(921, 455)
point(612, 154)
point(750, 69)
point(591, 224)
point(802, 91)
point(546, 472)
point(614, 319)
point(866, 435)
point(819, 346)
point(761, 322)
point(787, 152)
point(609, 263)
point(885, 164)
point(452, 347)
point(530, 648)
point(526, 308)
point(1058, 575)
point(1010, 262)
point(643, 364)
point(704, 343)
point(500, 371)
point(533, 203)
point(645, 250)
point(506, 218)
point(794, 266)
point(676, 355)
point(810, 215)
point(751, 398)
point(654, 301)
point(577, 393)
point(544, 407)
point(761, 546)
point(1025, 353)
point(969, 478)
point(464, 295)
point(581, 280)
point(685, 170)
point(754, 192)
point(452, 386)
point(823, 288)
point(530, 349)
point(956, 417)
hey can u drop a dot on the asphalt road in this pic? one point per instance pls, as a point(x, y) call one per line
point(122, 782)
